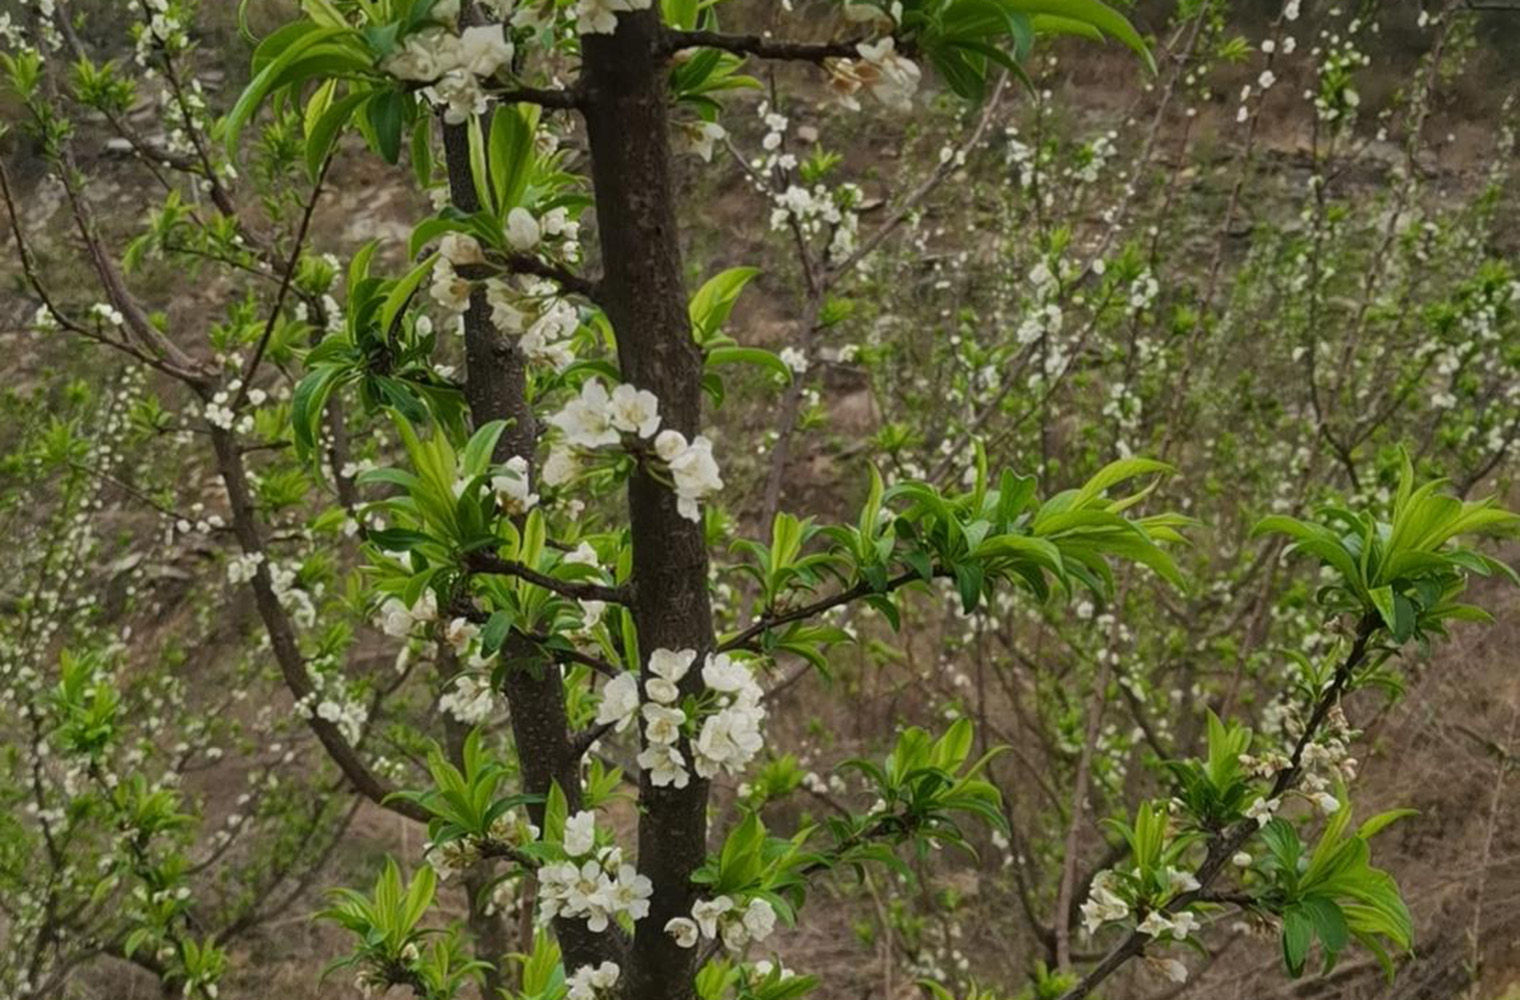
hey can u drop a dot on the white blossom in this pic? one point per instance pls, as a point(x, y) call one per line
point(523, 230)
point(635, 411)
point(589, 982)
point(664, 765)
point(511, 488)
point(667, 667)
point(586, 420)
point(684, 930)
point(580, 833)
point(620, 701)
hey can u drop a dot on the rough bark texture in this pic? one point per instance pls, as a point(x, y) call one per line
point(496, 389)
point(642, 291)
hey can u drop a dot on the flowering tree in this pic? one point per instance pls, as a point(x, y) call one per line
point(537, 525)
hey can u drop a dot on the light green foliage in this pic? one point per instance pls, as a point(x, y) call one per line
point(1402, 568)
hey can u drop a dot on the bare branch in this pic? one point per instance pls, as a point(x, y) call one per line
point(761, 46)
point(770, 620)
point(252, 367)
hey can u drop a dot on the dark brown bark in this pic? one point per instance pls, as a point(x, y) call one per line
point(496, 389)
point(642, 291)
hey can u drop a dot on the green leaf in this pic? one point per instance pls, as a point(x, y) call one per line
point(494, 633)
point(749, 356)
point(1102, 17)
point(386, 112)
point(513, 130)
point(714, 301)
point(1297, 936)
point(1382, 599)
point(322, 136)
point(402, 292)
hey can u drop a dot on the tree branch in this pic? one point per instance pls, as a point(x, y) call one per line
point(770, 620)
point(282, 637)
point(252, 368)
point(531, 264)
point(761, 46)
point(486, 563)
point(558, 98)
point(1224, 846)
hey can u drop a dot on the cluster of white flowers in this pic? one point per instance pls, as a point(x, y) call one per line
point(452, 64)
point(813, 211)
point(722, 918)
point(595, 885)
point(693, 470)
point(596, 418)
point(449, 289)
point(599, 17)
point(1043, 317)
point(1093, 157)
point(470, 699)
point(731, 715)
point(589, 982)
point(294, 599)
point(243, 568)
point(219, 412)
point(881, 71)
point(1179, 926)
point(730, 737)
point(542, 322)
point(165, 27)
point(1261, 810)
point(1104, 904)
point(330, 700)
point(106, 313)
point(398, 620)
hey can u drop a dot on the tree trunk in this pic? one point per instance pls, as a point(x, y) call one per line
point(643, 293)
point(496, 389)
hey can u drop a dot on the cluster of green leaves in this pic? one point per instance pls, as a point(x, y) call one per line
point(443, 512)
point(1154, 854)
point(710, 309)
point(382, 351)
point(752, 864)
point(1217, 790)
point(1402, 569)
point(722, 979)
point(87, 705)
point(966, 41)
point(977, 538)
point(509, 170)
point(153, 820)
point(394, 948)
point(324, 46)
point(926, 786)
point(1333, 893)
point(466, 801)
point(695, 80)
